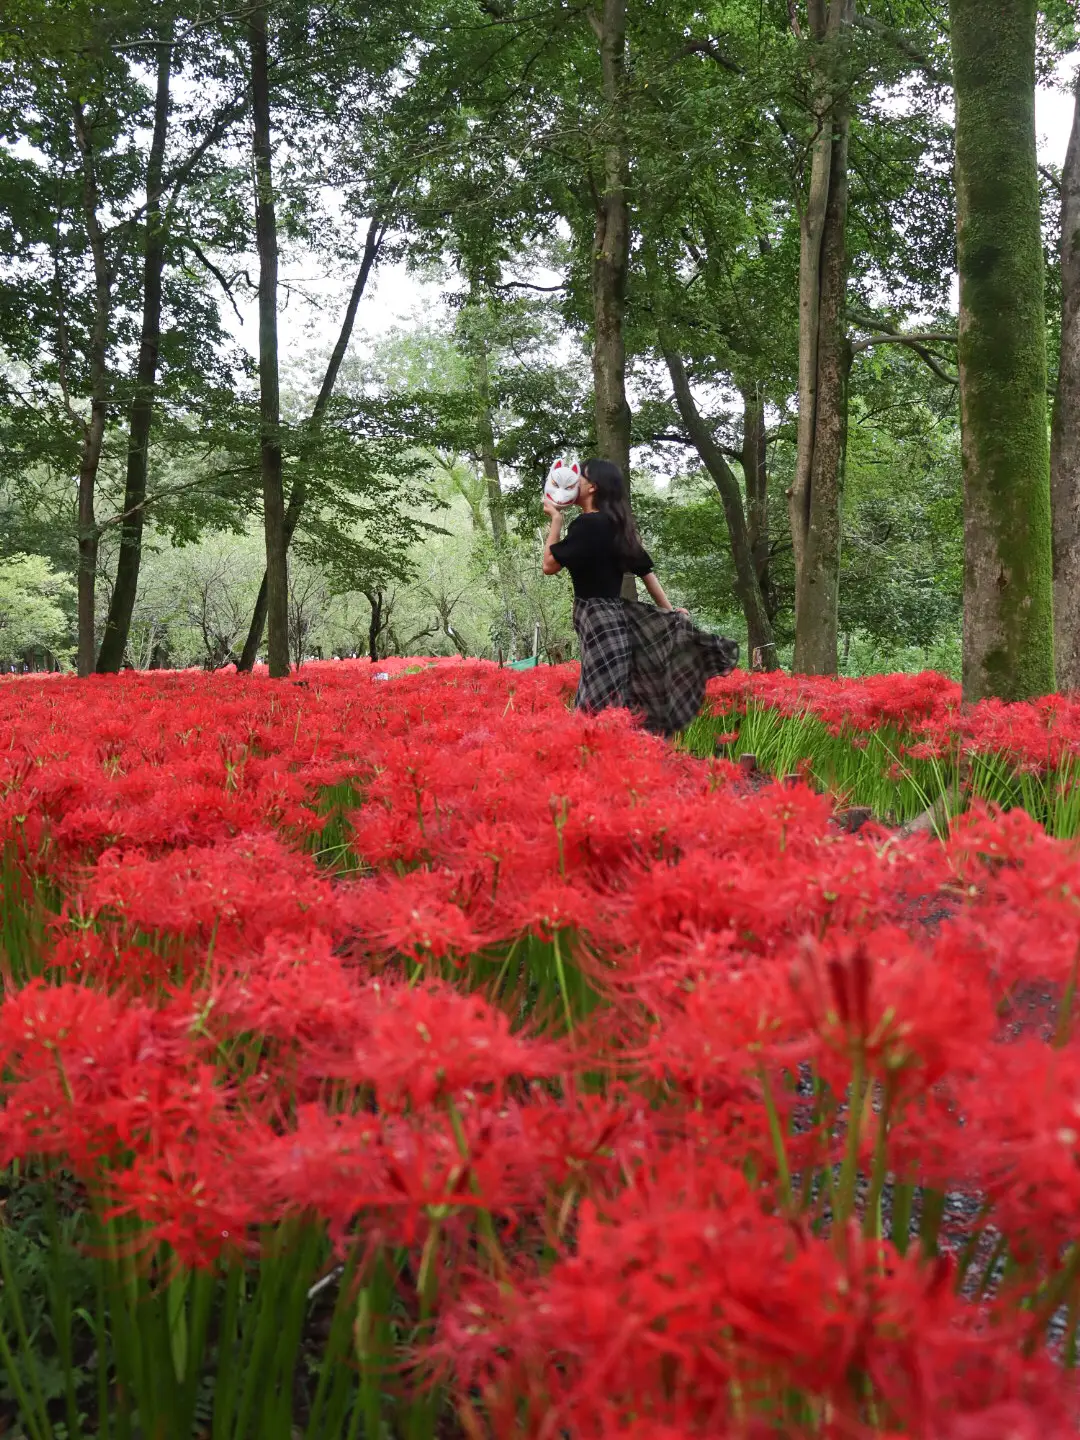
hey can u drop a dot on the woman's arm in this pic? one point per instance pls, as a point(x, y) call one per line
point(656, 590)
point(551, 566)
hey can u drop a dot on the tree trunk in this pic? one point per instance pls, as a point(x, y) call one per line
point(94, 430)
point(88, 537)
point(375, 600)
point(1008, 608)
point(1065, 434)
point(118, 622)
point(758, 626)
point(489, 460)
point(298, 493)
point(824, 360)
point(611, 254)
point(756, 483)
point(277, 583)
point(496, 502)
point(497, 515)
point(818, 579)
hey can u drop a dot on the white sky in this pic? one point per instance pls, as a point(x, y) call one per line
point(1053, 119)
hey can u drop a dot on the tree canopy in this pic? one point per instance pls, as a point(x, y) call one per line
point(715, 243)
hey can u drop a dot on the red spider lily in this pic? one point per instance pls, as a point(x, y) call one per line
point(188, 1195)
point(412, 915)
point(1023, 1110)
point(655, 1217)
point(426, 1042)
point(86, 1071)
point(899, 1009)
point(394, 1177)
point(722, 1020)
point(702, 1315)
point(214, 894)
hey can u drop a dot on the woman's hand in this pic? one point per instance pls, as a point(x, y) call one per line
point(550, 565)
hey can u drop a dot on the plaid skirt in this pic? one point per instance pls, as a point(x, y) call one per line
point(653, 662)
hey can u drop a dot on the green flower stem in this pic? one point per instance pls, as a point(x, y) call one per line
point(776, 1133)
point(872, 1218)
point(845, 1190)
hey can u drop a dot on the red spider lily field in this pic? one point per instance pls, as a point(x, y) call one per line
point(409, 1057)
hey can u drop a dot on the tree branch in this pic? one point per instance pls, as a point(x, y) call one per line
point(188, 244)
point(176, 178)
point(917, 341)
point(906, 47)
point(708, 49)
point(376, 234)
point(148, 500)
point(672, 437)
point(919, 337)
point(527, 285)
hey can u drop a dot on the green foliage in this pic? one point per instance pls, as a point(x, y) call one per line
point(478, 133)
point(903, 560)
point(45, 1262)
point(902, 557)
point(35, 607)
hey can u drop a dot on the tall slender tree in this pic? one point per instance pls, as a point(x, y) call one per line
point(475, 341)
point(298, 492)
point(93, 430)
point(1008, 615)
point(122, 602)
point(273, 492)
point(747, 580)
point(1065, 434)
point(755, 467)
point(824, 354)
point(611, 250)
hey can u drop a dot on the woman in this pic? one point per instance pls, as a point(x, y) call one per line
point(651, 660)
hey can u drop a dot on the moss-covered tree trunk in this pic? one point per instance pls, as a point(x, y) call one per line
point(1065, 436)
point(1008, 613)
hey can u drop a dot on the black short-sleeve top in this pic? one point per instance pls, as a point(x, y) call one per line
point(589, 552)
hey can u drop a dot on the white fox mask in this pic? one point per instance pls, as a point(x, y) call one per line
point(562, 482)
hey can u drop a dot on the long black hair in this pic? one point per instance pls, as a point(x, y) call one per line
point(613, 500)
